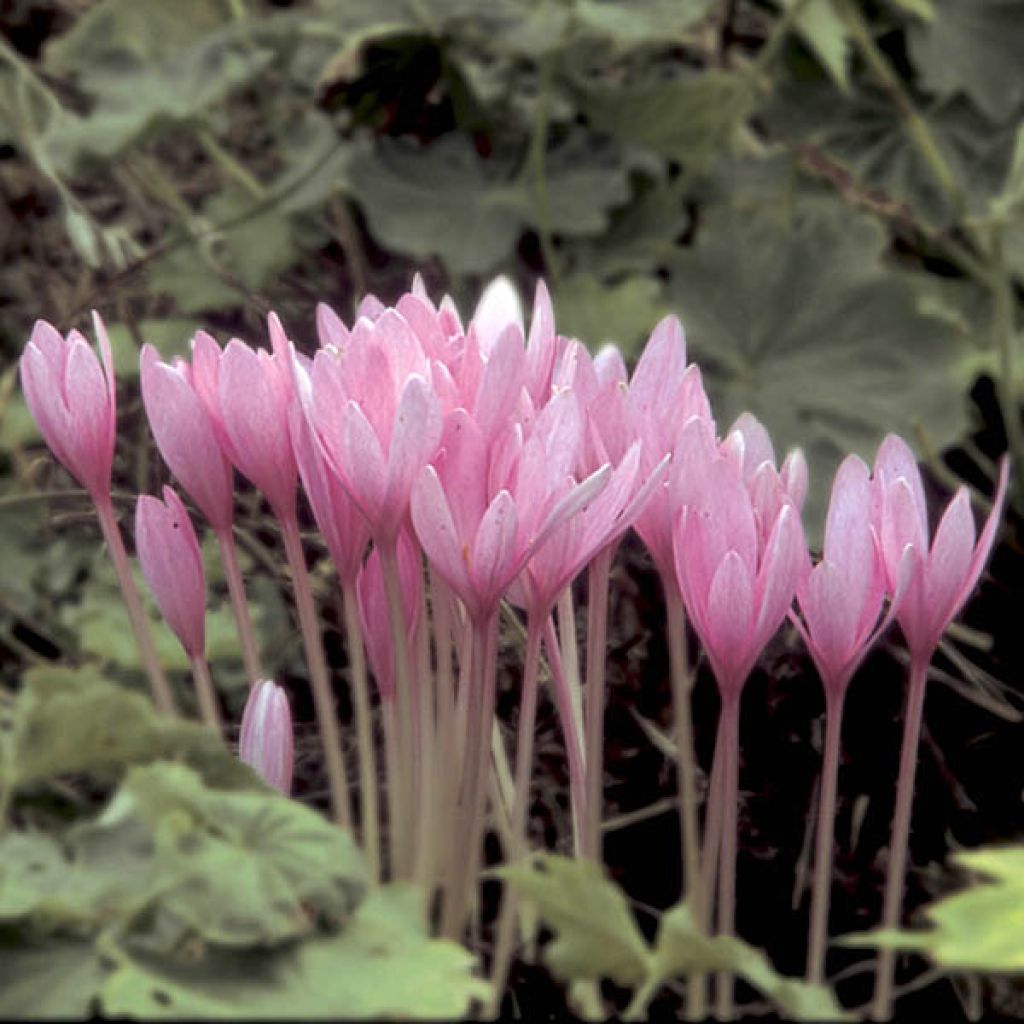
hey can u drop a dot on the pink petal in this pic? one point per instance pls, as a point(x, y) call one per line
point(950, 559)
point(495, 559)
point(171, 562)
point(499, 308)
point(414, 441)
point(255, 419)
point(330, 328)
point(360, 463)
point(779, 573)
point(185, 436)
point(435, 530)
point(901, 525)
point(730, 621)
point(895, 460)
point(988, 532)
point(266, 742)
point(502, 381)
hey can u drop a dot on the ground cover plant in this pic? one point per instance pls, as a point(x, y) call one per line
point(486, 495)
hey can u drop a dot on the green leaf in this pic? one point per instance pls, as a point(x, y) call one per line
point(973, 47)
point(978, 929)
point(53, 980)
point(444, 200)
point(101, 873)
point(68, 720)
point(596, 934)
point(132, 95)
point(441, 200)
point(865, 136)
point(135, 32)
point(794, 316)
point(691, 119)
point(641, 22)
point(680, 949)
point(383, 965)
point(825, 32)
point(623, 312)
point(243, 868)
point(924, 9)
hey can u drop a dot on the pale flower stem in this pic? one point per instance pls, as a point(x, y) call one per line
point(525, 728)
point(686, 775)
point(469, 829)
point(427, 782)
point(447, 759)
point(881, 1006)
point(594, 699)
point(323, 698)
point(727, 854)
point(825, 840)
point(408, 739)
point(712, 835)
point(571, 660)
point(163, 698)
point(239, 605)
point(206, 694)
point(368, 803)
point(392, 766)
point(574, 754)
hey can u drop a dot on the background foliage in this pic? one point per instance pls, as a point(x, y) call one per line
point(830, 193)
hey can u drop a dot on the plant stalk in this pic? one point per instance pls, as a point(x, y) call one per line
point(594, 699)
point(239, 605)
point(163, 697)
point(207, 694)
point(368, 803)
point(881, 1006)
point(727, 854)
point(825, 839)
point(323, 698)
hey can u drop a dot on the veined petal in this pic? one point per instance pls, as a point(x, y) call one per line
point(435, 530)
point(730, 620)
point(495, 559)
point(950, 558)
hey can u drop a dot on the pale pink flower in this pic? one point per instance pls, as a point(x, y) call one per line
point(72, 399)
point(267, 742)
point(172, 564)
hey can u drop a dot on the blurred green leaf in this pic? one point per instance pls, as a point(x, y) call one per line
point(51, 980)
point(680, 949)
point(595, 933)
point(691, 119)
point(825, 32)
point(441, 199)
point(795, 317)
point(132, 32)
point(382, 965)
point(71, 720)
point(131, 96)
point(866, 137)
point(973, 47)
point(243, 868)
point(978, 929)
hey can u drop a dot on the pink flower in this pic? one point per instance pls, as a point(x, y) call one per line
point(663, 394)
point(481, 511)
point(945, 573)
point(266, 742)
point(173, 566)
point(373, 609)
point(736, 593)
point(376, 418)
point(343, 528)
point(72, 399)
point(246, 393)
point(186, 436)
point(842, 597)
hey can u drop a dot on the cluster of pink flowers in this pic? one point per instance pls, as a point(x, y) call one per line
point(511, 459)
